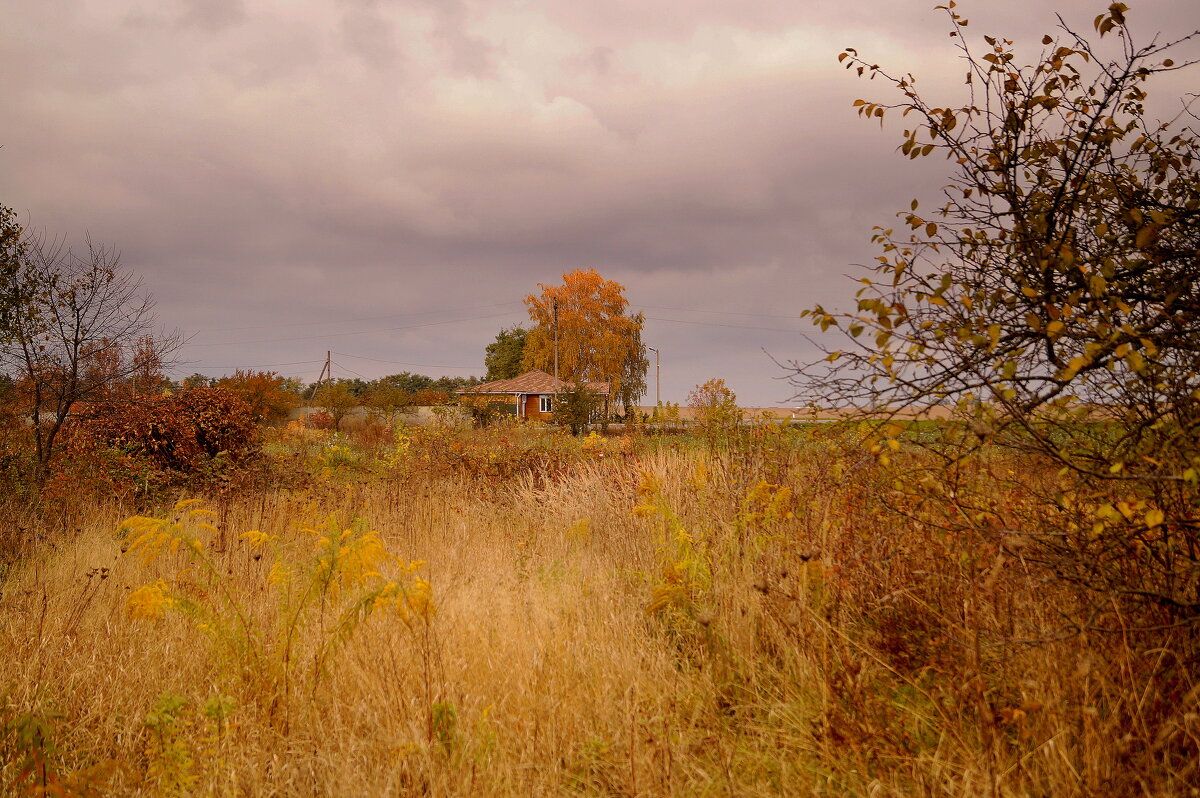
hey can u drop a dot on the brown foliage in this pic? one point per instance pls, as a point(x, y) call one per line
point(1053, 302)
point(597, 341)
point(80, 330)
point(180, 432)
point(338, 400)
point(267, 393)
point(429, 397)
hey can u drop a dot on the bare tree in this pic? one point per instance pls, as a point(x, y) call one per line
point(82, 326)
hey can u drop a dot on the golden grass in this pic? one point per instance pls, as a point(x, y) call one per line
point(820, 647)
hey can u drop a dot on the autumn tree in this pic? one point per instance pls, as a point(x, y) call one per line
point(12, 250)
point(146, 376)
point(269, 396)
point(81, 325)
point(412, 383)
point(503, 356)
point(104, 363)
point(432, 397)
point(338, 398)
point(716, 410)
point(122, 371)
point(388, 399)
point(597, 340)
point(1052, 301)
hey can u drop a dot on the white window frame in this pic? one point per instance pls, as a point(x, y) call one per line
point(546, 403)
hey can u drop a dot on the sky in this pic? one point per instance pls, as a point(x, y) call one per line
point(386, 179)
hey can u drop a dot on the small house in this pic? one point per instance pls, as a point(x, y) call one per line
point(532, 393)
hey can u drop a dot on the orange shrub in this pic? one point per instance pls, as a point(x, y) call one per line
point(268, 394)
point(181, 432)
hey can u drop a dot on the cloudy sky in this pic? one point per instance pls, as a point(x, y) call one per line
point(387, 178)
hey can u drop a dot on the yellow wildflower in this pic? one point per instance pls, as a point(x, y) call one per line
point(149, 601)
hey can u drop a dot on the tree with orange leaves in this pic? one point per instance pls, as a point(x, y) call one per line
point(113, 370)
point(269, 395)
point(77, 314)
point(597, 340)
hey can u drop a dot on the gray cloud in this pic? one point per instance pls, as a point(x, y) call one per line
point(283, 175)
point(212, 15)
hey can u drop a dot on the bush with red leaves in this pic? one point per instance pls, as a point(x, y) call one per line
point(181, 432)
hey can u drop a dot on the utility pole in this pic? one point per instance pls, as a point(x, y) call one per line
point(657, 376)
point(326, 371)
point(555, 306)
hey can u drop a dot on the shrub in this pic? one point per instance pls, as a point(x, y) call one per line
point(178, 433)
point(269, 395)
point(576, 407)
point(321, 420)
point(717, 412)
point(1050, 304)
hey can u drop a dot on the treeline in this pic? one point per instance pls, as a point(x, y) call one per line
point(405, 381)
point(272, 397)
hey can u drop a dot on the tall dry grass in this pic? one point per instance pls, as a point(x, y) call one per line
point(670, 621)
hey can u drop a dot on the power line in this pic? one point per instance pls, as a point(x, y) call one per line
point(304, 376)
point(403, 363)
point(366, 318)
point(352, 371)
point(724, 312)
point(357, 332)
point(206, 367)
point(255, 365)
point(732, 326)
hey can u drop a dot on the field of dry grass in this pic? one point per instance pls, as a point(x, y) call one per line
point(649, 618)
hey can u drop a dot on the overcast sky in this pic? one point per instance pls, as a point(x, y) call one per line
point(387, 178)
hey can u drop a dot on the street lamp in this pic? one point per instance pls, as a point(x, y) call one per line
point(657, 373)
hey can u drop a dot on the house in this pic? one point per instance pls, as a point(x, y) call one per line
point(532, 393)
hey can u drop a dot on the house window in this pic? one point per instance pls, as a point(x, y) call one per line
point(545, 404)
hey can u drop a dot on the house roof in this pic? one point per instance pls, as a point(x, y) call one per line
point(533, 382)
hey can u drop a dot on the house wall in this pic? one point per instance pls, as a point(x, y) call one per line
point(532, 403)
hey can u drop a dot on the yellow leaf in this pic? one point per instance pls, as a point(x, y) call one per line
point(1146, 236)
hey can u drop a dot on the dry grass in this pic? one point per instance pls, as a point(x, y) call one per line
point(804, 642)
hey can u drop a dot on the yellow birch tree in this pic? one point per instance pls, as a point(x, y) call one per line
point(597, 340)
